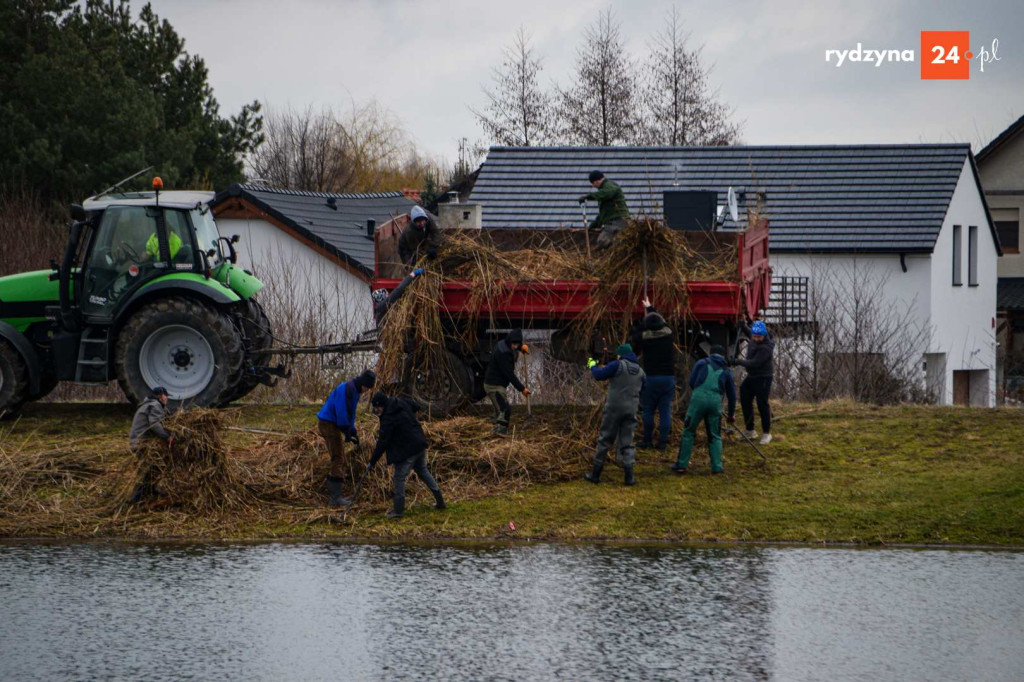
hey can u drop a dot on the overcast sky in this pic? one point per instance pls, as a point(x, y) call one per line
point(427, 60)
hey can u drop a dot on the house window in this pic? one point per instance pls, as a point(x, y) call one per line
point(1007, 223)
point(972, 255)
point(957, 270)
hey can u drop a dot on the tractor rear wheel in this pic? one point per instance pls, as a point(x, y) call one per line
point(189, 348)
point(13, 381)
point(257, 337)
point(440, 390)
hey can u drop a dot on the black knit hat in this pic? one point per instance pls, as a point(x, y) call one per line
point(718, 350)
point(595, 175)
point(654, 321)
point(159, 391)
point(515, 337)
point(368, 379)
point(380, 399)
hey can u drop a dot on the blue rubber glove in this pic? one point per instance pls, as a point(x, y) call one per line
point(417, 272)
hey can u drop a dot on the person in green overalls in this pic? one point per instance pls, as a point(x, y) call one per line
point(709, 379)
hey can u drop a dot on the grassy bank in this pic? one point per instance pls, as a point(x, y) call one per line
point(836, 473)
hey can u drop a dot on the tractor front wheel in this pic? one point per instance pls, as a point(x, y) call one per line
point(13, 381)
point(189, 348)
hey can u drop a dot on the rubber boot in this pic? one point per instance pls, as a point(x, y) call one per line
point(336, 499)
point(595, 475)
point(439, 500)
point(397, 510)
point(628, 478)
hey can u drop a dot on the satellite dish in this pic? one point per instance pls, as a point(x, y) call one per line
point(734, 208)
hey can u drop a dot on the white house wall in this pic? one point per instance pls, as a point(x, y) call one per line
point(300, 281)
point(962, 315)
point(958, 320)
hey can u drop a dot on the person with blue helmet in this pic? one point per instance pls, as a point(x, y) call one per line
point(757, 386)
point(709, 379)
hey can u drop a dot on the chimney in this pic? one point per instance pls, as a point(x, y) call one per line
point(371, 227)
point(332, 203)
point(460, 216)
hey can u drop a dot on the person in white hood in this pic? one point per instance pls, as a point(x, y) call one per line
point(421, 237)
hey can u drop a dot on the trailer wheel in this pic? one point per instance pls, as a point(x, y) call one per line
point(189, 348)
point(13, 381)
point(257, 336)
point(441, 390)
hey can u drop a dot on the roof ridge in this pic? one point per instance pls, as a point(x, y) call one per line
point(256, 187)
point(724, 148)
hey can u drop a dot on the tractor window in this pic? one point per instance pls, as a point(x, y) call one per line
point(206, 232)
point(178, 239)
point(119, 256)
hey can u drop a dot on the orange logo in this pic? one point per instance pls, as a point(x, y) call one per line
point(946, 55)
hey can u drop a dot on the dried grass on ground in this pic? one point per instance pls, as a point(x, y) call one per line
point(275, 478)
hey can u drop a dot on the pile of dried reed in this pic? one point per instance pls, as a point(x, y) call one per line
point(205, 487)
point(645, 259)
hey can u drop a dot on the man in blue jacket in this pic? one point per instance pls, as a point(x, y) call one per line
point(709, 379)
point(402, 438)
point(626, 381)
point(338, 418)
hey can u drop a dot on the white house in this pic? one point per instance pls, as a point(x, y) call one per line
point(907, 222)
point(1001, 167)
point(313, 250)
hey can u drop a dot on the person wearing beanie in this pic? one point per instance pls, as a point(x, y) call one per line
point(618, 423)
point(757, 385)
point(612, 211)
point(337, 418)
point(709, 379)
point(420, 237)
point(147, 425)
point(500, 373)
point(401, 438)
point(654, 342)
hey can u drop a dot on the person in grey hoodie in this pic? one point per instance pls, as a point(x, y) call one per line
point(421, 237)
point(619, 421)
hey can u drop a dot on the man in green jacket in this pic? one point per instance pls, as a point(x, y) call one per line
point(612, 212)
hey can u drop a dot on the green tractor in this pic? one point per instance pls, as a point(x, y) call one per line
point(147, 293)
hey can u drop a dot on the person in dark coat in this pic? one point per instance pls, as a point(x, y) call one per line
point(612, 211)
point(501, 371)
point(421, 237)
point(402, 438)
point(618, 423)
point(654, 342)
point(710, 379)
point(757, 385)
point(382, 300)
point(337, 418)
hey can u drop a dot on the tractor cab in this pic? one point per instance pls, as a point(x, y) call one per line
point(132, 239)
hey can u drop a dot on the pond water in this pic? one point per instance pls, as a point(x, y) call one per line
point(525, 612)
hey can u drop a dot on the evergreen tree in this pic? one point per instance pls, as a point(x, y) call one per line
point(89, 96)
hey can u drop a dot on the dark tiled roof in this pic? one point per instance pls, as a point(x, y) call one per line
point(1012, 131)
point(873, 198)
point(341, 231)
point(1010, 293)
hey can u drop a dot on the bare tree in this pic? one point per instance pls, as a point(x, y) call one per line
point(303, 150)
point(518, 111)
point(680, 107)
point(366, 149)
point(600, 108)
point(859, 344)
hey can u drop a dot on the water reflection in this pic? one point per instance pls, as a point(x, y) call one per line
point(343, 612)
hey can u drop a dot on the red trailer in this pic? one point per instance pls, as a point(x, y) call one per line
point(715, 308)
